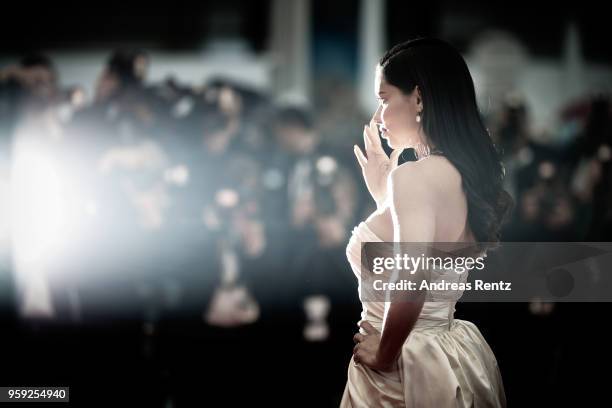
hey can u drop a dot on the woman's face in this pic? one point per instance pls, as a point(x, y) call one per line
point(396, 113)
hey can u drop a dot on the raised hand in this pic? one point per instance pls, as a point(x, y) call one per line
point(375, 164)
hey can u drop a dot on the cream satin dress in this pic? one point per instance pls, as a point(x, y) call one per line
point(445, 362)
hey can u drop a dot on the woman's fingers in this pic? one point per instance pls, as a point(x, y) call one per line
point(375, 133)
point(357, 338)
point(367, 326)
point(360, 157)
point(374, 138)
point(373, 146)
point(367, 141)
point(374, 130)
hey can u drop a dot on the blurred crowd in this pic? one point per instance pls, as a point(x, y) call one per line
point(212, 197)
point(217, 199)
point(559, 178)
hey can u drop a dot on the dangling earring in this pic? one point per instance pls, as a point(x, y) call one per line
point(418, 117)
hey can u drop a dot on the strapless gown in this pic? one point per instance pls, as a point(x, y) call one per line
point(445, 362)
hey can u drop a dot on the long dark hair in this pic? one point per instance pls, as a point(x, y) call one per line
point(452, 122)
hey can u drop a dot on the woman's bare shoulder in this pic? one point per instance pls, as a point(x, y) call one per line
point(432, 171)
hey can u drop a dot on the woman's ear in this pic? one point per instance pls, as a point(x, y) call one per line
point(419, 99)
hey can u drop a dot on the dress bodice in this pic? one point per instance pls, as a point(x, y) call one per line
point(439, 313)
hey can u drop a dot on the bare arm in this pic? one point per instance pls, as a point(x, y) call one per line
point(413, 215)
point(412, 208)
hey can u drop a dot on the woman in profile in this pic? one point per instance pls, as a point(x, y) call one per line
point(416, 354)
